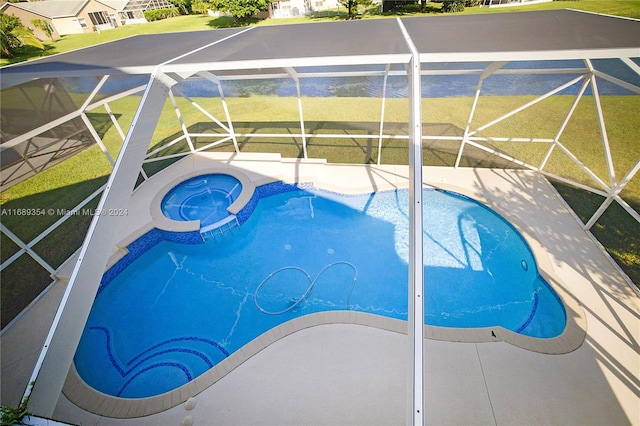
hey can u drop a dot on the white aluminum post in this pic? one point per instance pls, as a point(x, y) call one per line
point(68, 324)
point(416, 264)
point(384, 99)
point(490, 69)
point(294, 75)
point(229, 121)
point(183, 126)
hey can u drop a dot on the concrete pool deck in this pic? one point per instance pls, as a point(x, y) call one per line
point(353, 374)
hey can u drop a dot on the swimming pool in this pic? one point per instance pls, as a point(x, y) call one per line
point(301, 252)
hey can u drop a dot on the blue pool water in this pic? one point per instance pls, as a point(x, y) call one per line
point(205, 198)
point(179, 309)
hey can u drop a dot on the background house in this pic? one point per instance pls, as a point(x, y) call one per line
point(291, 8)
point(132, 11)
point(64, 16)
point(81, 16)
point(496, 3)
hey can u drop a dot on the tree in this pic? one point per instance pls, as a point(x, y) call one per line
point(14, 35)
point(184, 6)
point(44, 26)
point(352, 7)
point(200, 6)
point(240, 9)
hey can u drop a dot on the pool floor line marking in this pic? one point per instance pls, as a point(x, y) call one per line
point(532, 314)
point(124, 373)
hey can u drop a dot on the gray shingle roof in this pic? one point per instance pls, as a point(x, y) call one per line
point(53, 8)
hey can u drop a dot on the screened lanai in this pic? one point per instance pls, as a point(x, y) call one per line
point(538, 91)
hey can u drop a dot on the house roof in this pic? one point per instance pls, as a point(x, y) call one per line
point(53, 8)
point(559, 34)
point(115, 4)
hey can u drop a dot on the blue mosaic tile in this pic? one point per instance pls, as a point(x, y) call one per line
point(268, 190)
point(136, 249)
point(192, 237)
point(143, 244)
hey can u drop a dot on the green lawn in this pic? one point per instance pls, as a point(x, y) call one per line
point(63, 186)
point(628, 8)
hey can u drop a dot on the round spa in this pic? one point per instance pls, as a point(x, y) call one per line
point(205, 198)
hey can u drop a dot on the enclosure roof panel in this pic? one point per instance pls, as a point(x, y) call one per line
point(133, 55)
point(573, 32)
point(560, 34)
point(290, 42)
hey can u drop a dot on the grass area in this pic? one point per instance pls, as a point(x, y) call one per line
point(627, 8)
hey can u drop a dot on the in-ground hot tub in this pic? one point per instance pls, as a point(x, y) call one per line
point(205, 198)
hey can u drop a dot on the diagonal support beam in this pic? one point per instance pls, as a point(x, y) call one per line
point(210, 116)
point(97, 138)
point(68, 324)
point(212, 78)
point(615, 195)
point(489, 70)
point(183, 126)
point(114, 120)
point(527, 105)
point(603, 128)
point(563, 126)
point(24, 248)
